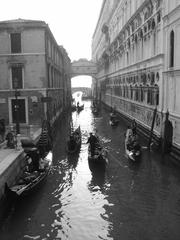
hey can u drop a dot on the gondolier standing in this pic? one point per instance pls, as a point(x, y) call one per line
point(93, 141)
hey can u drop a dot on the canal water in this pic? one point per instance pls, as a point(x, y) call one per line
point(126, 201)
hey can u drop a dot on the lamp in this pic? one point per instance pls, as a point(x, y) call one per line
point(15, 82)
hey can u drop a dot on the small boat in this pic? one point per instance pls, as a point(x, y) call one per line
point(30, 179)
point(114, 122)
point(80, 108)
point(113, 119)
point(100, 156)
point(74, 143)
point(73, 107)
point(133, 153)
point(95, 110)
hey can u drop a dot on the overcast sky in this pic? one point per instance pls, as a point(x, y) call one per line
point(72, 22)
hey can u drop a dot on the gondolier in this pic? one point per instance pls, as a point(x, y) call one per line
point(93, 141)
point(74, 142)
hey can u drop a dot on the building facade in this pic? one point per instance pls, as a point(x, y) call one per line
point(135, 45)
point(34, 73)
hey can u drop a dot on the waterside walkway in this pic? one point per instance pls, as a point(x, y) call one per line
point(11, 159)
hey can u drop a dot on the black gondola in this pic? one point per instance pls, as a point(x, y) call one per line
point(31, 177)
point(80, 108)
point(95, 110)
point(113, 120)
point(73, 107)
point(74, 143)
point(99, 157)
point(133, 152)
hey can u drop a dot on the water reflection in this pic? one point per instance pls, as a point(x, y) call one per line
point(98, 175)
point(81, 213)
point(80, 201)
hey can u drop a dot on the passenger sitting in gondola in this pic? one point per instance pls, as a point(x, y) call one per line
point(100, 157)
point(128, 138)
point(136, 146)
point(76, 135)
point(129, 133)
point(132, 141)
point(42, 164)
point(33, 160)
point(134, 126)
point(113, 115)
point(93, 141)
point(135, 142)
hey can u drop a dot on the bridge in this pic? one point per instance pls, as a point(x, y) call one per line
point(83, 67)
point(87, 92)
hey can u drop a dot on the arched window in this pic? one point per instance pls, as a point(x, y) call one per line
point(171, 63)
point(149, 96)
point(157, 96)
point(152, 79)
point(159, 17)
point(157, 77)
point(136, 93)
point(153, 24)
point(131, 90)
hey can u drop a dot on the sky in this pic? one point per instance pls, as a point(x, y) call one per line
point(72, 22)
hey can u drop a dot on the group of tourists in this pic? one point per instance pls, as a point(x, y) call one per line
point(34, 161)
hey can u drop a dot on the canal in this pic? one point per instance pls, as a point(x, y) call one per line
point(127, 201)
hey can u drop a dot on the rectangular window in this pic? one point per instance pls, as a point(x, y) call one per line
point(15, 42)
point(17, 77)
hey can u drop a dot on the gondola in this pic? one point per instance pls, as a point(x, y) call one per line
point(73, 107)
point(99, 158)
point(30, 179)
point(80, 108)
point(95, 110)
point(133, 153)
point(114, 122)
point(74, 143)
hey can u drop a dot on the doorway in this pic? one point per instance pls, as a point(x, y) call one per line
point(21, 110)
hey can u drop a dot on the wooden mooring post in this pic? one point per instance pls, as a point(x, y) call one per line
point(167, 135)
point(152, 128)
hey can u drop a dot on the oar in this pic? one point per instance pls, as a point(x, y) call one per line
point(22, 189)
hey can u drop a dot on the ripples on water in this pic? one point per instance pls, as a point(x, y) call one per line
point(81, 214)
point(124, 201)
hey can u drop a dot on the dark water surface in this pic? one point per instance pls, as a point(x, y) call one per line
point(128, 202)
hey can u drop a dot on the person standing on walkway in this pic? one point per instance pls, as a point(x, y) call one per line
point(2, 129)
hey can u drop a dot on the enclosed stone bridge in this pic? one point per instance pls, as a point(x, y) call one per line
point(83, 67)
point(87, 92)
